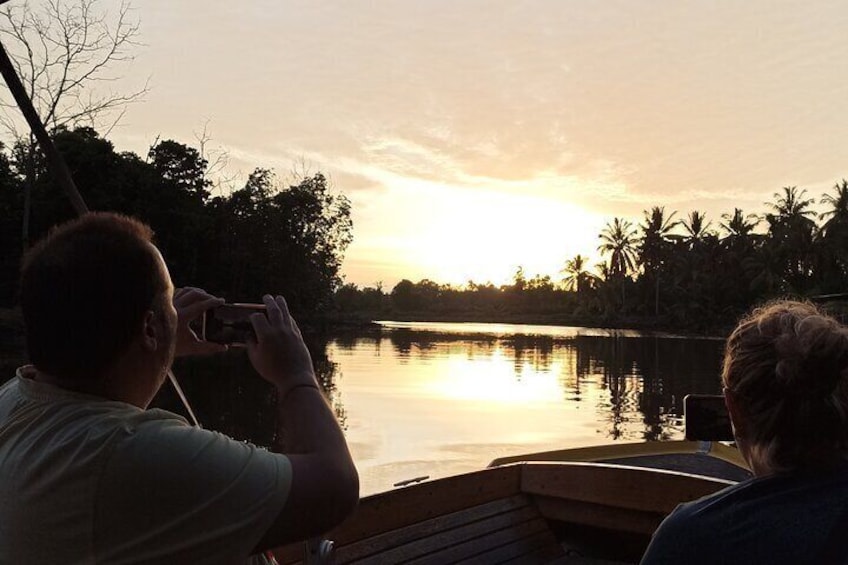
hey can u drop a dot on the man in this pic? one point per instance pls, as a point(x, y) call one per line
point(88, 475)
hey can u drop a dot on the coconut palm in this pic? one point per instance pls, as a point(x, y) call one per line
point(792, 232)
point(737, 263)
point(838, 213)
point(833, 244)
point(739, 225)
point(618, 238)
point(791, 207)
point(696, 227)
point(654, 244)
point(577, 278)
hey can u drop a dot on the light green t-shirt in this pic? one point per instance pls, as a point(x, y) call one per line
point(87, 480)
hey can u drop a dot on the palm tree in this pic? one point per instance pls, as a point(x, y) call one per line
point(656, 230)
point(791, 203)
point(833, 244)
point(838, 212)
point(697, 227)
point(739, 225)
point(738, 260)
point(791, 235)
point(655, 246)
point(618, 238)
point(577, 278)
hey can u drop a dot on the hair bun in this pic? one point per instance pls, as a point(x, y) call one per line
point(812, 354)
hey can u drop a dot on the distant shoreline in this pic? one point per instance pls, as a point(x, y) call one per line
point(364, 320)
point(12, 330)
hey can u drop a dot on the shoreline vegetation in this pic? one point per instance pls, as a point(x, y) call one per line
point(681, 274)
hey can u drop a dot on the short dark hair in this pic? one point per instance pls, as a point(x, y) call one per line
point(85, 289)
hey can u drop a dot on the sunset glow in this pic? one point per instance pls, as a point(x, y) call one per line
point(474, 138)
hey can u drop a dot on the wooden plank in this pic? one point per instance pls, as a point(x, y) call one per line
point(617, 486)
point(578, 560)
point(431, 527)
point(598, 453)
point(599, 516)
point(456, 535)
point(399, 508)
point(474, 547)
point(533, 550)
point(548, 553)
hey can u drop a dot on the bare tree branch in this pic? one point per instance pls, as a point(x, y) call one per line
point(64, 51)
point(217, 162)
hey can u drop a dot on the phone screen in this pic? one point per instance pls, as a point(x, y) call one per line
point(706, 418)
point(230, 323)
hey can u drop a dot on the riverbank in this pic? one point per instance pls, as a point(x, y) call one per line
point(362, 320)
point(12, 329)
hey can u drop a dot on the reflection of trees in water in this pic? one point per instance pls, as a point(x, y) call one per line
point(328, 374)
point(228, 396)
point(646, 377)
point(533, 350)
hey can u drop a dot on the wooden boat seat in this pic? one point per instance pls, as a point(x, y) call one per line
point(503, 531)
point(526, 513)
point(508, 530)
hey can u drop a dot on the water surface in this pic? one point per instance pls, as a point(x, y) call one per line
point(438, 399)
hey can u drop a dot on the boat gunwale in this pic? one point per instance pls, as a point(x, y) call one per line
point(611, 490)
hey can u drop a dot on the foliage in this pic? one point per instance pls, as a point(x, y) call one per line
point(65, 52)
point(664, 273)
point(261, 238)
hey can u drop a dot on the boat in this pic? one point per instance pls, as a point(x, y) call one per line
point(583, 506)
point(596, 505)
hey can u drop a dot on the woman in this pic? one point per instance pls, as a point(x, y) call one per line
point(785, 379)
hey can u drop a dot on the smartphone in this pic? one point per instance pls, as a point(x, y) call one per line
point(706, 418)
point(230, 324)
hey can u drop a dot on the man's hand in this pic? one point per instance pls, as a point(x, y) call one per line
point(190, 303)
point(324, 485)
point(279, 354)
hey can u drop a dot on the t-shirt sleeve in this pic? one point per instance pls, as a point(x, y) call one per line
point(176, 494)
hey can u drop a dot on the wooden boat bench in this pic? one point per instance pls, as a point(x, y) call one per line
point(563, 513)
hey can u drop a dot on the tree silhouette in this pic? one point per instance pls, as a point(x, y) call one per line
point(577, 277)
point(696, 227)
point(655, 247)
point(792, 231)
point(739, 224)
point(618, 239)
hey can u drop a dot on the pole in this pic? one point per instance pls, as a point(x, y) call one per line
point(54, 159)
point(57, 164)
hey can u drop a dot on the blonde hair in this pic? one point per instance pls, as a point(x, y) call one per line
point(786, 367)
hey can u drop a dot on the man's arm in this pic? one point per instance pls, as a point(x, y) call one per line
point(325, 483)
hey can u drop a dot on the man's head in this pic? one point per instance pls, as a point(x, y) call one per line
point(786, 382)
point(92, 292)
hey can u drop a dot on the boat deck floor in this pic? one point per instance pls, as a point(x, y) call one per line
point(693, 463)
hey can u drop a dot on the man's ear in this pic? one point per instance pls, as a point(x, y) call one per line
point(150, 332)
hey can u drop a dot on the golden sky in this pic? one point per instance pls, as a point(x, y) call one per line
point(476, 136)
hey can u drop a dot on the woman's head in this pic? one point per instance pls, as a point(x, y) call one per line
point(786, 375)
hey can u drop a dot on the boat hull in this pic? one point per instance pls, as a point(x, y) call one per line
point(529, 512)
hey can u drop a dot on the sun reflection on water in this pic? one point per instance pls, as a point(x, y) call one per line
point(497, 380)
point(420, 401)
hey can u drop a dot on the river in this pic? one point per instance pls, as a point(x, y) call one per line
point(436, 399)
